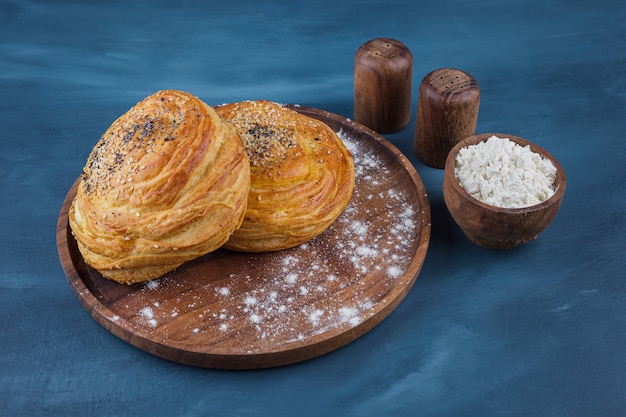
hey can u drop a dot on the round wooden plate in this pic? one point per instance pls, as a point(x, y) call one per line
point(233, 310)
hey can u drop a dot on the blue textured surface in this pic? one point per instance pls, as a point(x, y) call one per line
point(539, 330)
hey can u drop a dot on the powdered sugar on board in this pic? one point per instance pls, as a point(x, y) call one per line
point(286, 297)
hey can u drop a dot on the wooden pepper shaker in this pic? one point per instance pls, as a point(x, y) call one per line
point(447, 112)
point(383, 69)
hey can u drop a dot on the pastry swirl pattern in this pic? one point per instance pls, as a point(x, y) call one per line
point(166, 183)
point(302, 175)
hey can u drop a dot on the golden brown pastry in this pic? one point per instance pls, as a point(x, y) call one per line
point(167, 182)
point(302, 176)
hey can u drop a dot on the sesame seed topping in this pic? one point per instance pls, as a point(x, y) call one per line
point(145, 129)
point(268, 140)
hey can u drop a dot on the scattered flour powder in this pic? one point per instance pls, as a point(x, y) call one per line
point(502, 173)
point(148, 314)
point(300, 294)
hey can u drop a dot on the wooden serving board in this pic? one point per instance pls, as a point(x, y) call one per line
point(232, 310)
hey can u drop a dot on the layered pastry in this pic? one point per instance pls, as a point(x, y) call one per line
point(167, 182)
point(302, 176)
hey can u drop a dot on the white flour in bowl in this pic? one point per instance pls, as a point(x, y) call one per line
point(502, 173)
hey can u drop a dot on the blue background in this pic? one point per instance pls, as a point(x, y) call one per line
point(538, 330)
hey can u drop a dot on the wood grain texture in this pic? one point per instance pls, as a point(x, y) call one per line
point(495, 227)
point(234, 310)
point(447, 112)
point(383, 71)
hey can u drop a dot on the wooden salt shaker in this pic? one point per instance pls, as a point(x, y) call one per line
point(447, 112)
point(383, 69)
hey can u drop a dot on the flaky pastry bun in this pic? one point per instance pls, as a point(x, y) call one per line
point(302, 176)
point(167, 182)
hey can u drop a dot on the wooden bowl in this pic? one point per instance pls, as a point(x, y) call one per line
point(496, 227)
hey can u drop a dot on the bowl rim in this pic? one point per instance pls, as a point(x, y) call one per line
point(450, 165)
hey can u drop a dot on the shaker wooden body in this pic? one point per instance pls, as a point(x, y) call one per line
point(383, 69)
point(447, 112)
